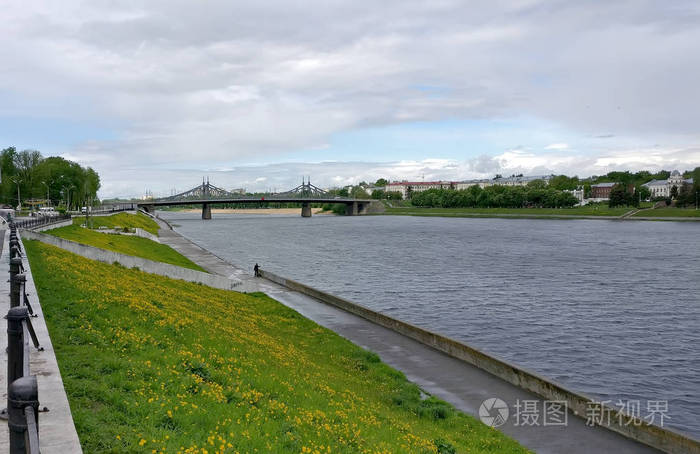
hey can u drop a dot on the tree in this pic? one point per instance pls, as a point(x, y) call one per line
point(358, 192)
point(674, 192)
point(38, 176)
point(562, 182)
point(537, 184)
point(620, 196)
point(381, 182)
point(643, 192)
point(686, 196)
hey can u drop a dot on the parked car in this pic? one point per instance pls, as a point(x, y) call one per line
point(48, 212)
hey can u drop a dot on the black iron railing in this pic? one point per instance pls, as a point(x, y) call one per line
point(22, 410)
point(41, 221)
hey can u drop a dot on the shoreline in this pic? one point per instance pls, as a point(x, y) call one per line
point(456, 213)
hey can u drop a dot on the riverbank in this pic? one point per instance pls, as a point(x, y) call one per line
point(596, 212)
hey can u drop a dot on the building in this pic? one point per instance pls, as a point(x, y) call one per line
point(662, 188)
point(370, 189)
point(578, 193)
point(460, 185)
point(520, 180)
point(408, 187)
point(601, 191)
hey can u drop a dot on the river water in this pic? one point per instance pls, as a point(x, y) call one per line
point(608, 308)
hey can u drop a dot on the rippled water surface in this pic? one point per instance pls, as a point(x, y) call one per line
point(608, 308)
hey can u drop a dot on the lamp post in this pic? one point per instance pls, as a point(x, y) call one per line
point(17, 181)
point(66, 192)
point(48, 198)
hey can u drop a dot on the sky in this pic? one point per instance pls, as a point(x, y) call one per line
point(156, 95)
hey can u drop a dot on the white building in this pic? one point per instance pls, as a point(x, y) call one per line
point(579, 194)
point(406, 187)
point(662, 188)
point(520, 180)
point(468, 184)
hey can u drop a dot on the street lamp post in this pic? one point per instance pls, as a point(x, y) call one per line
point(48, 199)
point(17, 181)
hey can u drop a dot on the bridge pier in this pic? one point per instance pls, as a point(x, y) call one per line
point(305, 210)
point(206, 211)
point(351, 209)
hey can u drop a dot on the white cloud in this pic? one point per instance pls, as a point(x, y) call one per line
point(557, 146)
point(185, 85)
point(284, 176)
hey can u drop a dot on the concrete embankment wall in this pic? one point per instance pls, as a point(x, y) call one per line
point(53, 226)
point(149, 266)
point(655, 436)
point(133, 232)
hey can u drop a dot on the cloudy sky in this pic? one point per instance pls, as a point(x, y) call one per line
point(154, 95)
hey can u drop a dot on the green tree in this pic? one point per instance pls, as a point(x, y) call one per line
point(537, 184)
point(38, 176)
point(562, 182)
point(620, 196)
point(686, 195)
point(643, 192)
point(674, 192)
point(381, 182)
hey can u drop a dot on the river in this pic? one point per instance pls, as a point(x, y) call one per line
point(607, 308)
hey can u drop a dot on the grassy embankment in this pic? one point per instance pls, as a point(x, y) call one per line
point(152, 364)
point(131, 245)
point(670, 213)
point(127, 220)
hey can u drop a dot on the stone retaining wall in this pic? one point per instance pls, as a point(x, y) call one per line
point(661, 438)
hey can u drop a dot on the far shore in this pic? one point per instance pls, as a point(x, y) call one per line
point(255, 211)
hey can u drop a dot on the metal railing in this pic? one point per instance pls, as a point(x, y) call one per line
point(22, 410)
point(41, 221)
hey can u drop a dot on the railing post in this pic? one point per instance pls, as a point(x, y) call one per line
point(15, 343)
point(15, 267)
point(22, 393)
point(16, 289)
point(14, 251)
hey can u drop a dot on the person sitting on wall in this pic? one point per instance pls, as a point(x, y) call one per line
point(256, 268)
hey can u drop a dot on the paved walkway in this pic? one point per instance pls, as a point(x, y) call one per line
point(57, 432)
point(454, 381)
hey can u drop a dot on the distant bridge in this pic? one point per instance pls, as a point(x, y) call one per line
point(305, 194)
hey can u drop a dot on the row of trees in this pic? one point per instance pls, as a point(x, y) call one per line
point(27, 175)
point(495, 197)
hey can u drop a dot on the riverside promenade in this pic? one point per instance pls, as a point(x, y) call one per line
point(463, 385)
point(56, 428)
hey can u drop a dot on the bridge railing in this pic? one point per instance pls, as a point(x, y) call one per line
point(22, 410)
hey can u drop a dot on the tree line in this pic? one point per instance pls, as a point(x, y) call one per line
point(532, 195)
point(27, 175)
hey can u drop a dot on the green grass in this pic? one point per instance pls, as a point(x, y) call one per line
point(670, 213)
point(591, 210)
point(131, 221)
point(131, 245)
point(152, 364)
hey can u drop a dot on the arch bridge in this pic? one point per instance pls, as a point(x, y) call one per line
point(305, 194)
